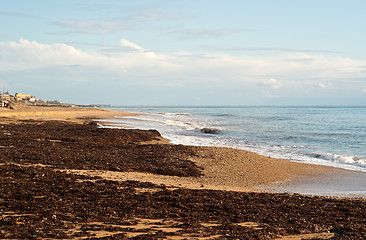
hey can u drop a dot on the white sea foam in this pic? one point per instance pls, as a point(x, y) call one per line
point(338, 158)
point(177, 114)
point(184, 124)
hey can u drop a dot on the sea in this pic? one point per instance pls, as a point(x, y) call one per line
point(331, 136)
point(322, 135)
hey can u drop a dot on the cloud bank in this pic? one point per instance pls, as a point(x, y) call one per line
point(133, 64)
point(25, 54)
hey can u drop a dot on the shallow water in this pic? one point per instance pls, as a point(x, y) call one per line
point(345, 184)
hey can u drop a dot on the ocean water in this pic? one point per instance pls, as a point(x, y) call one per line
point(331, 136)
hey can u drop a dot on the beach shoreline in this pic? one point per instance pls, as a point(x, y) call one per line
point(290, 133)
point(223, 168)
point(59, 170)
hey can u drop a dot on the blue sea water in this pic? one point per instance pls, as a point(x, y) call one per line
point(331, 136)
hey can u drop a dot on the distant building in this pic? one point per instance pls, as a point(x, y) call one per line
point(7, 97)
point(21, 96)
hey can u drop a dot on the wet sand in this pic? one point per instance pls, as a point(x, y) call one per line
point(337, 183)
point(70, 179)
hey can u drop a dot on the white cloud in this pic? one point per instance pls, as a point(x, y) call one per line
point(322, 85)
point(126, 43)
point(30, 54)
point(273, 83)
point(183, 68)
point(24, 54)
point(364, 90)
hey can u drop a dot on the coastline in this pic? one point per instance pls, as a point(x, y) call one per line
point(290, 133)
point(223, 168)
point(152, 168)
point(184, 126)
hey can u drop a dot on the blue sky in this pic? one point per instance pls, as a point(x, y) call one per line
point(233, 52)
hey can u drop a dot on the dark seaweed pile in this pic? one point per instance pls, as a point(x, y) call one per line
point(77, 146)
point(41, 202)
point(53, 202)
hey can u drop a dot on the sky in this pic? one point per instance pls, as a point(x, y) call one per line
point(191, 52)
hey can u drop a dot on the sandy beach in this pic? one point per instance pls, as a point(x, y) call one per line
point(69, 114)
point(63, 177)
